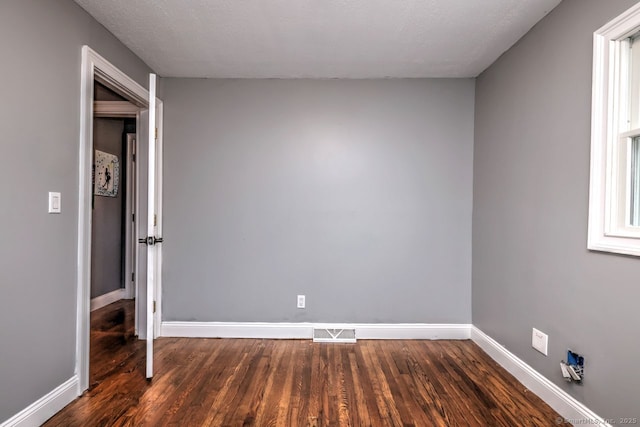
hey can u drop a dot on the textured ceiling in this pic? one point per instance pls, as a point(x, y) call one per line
point(318, 38)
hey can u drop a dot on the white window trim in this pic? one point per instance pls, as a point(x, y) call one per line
point(604, 234)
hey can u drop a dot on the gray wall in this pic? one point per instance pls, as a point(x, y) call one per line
point(106, 233)
point(355, 193)
point(531, 267)
point(40, 42)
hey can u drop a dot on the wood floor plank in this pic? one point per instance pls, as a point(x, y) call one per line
point(316, 370)
point(387, 410)
point(427, 397)
point(252, 382)
point(361, 403)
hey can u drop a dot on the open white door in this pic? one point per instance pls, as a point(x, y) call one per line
point(153, 238)
point(149, 254)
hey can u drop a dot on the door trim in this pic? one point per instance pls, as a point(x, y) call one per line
point(131, 226)
point(110, 109)
point(159, 204)
point(94, 67)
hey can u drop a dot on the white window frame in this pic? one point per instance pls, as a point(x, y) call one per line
point(610, 139)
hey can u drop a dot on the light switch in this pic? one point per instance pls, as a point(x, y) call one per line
point(54, 202)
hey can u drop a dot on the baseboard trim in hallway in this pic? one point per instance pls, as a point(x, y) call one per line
point(106, 299)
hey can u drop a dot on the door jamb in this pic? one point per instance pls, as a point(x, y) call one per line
point(131, 226)
point(94, 67)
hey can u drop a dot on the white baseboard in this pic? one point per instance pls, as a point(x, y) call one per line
point(45, 407)
point(236, 330)
point(106, 299)
point(566, 405)
point(305, 330)
point(412, 331)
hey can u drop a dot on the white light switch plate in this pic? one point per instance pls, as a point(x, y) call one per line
point(540, 341)
point(55, 202)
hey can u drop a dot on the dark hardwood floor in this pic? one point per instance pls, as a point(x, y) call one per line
point(251, 382)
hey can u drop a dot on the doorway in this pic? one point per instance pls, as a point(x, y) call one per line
point(148, 253)
point(113, 233)
point(113, 198)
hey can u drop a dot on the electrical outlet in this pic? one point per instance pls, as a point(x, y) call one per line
point(301, 301)
point(540, 341)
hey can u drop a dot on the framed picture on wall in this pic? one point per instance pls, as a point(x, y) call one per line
point(106, 174)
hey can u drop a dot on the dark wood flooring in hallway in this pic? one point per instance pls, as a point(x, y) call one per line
point(254, 382)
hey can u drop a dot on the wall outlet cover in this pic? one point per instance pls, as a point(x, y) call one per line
point(301, 301)
point(540, 341)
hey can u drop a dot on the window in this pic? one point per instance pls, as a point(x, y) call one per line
point(614, 193)
point(635, 183)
